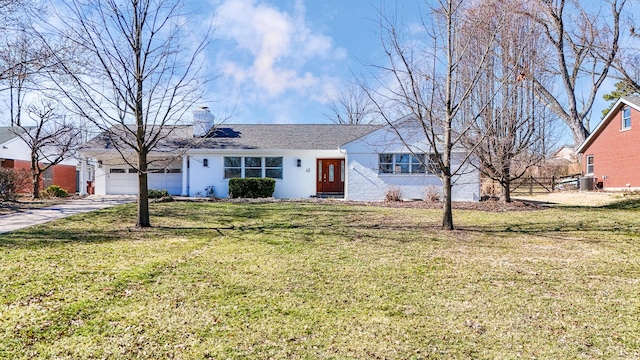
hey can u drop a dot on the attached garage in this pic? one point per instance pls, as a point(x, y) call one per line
point(169, 179)
point(123, 181)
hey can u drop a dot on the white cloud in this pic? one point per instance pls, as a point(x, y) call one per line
point(273, 49)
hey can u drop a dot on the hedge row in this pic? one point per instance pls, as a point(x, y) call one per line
point(251, 187)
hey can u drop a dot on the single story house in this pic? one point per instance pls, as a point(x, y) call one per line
point(611, 154)
point(15, 154)
point(354, 162)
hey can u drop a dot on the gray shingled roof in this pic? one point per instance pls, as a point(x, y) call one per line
point(264, 137)
point(284, 136)
point(9, 132)
point(633, 99)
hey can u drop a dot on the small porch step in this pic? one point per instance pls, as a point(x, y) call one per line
point(330, 195)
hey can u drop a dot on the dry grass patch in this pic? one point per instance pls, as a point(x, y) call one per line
point(302, 280)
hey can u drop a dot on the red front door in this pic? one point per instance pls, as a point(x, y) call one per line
point(330, 176)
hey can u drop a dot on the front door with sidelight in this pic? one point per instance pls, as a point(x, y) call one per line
point(330, 176)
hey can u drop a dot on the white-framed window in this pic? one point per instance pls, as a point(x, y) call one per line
point(406, 163)
point(589, 161)
point(252, 167)
point(273, 167)
point(626, 118)
point(232, 167)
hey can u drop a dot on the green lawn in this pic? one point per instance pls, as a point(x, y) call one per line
point(303, 280)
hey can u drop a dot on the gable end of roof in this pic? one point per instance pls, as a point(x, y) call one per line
point(631, 101)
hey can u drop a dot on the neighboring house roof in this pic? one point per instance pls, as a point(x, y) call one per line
point(260, 137)
point(565, 152)
point(632, 101)
point(11, 132)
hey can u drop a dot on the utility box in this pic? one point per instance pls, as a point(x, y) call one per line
point(587, 184)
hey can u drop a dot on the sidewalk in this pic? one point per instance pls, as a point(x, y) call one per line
point(32, 217)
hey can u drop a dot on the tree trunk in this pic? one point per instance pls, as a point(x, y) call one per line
point(35, 182)
point(35, 176)
point(447, 212)
point(579, 132)
point(505, 182)
point(143, 192)
point(505, 195)
point(13, 120)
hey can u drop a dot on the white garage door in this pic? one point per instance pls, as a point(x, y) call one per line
point(125, 181)
point(170, 181)
point(122, 181)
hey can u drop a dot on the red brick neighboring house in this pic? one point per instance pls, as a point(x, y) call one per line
point(14, 153)
point(611, 154)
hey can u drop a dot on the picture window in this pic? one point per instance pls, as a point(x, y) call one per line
point(406, 163)
point(253, 167)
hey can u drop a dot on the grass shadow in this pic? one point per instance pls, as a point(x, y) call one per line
point(44, 236)
point(626, 204)
point(307, 220)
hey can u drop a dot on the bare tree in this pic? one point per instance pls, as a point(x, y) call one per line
point(22, 58)
point(142, 75)
point(9, 6)
point(583, 45)
point(627, 67)
point(351, 106)
point(11, 12)
point(50, 140)
point(424, 79)
point(511, 130)
point(21, 54)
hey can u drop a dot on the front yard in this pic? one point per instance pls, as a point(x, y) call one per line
point(325, 280)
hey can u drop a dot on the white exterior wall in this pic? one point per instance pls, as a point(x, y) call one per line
point(364, 183)
point(17, 149)
point(297, 182)
point(100, 180)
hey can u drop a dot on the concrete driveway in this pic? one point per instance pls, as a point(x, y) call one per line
point(23, 219)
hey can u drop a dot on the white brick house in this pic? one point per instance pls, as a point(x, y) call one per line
point(354, 162)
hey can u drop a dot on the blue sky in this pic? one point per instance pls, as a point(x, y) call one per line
point(280, 60)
